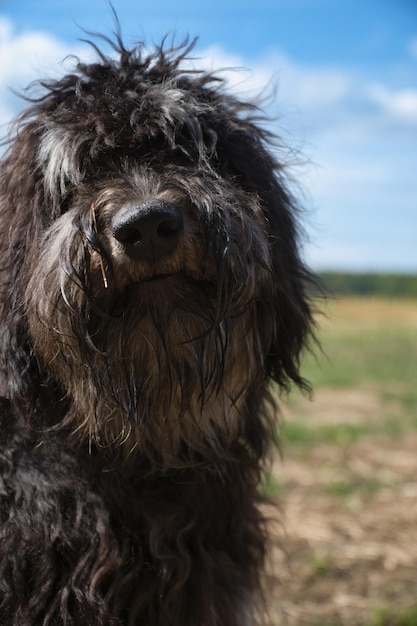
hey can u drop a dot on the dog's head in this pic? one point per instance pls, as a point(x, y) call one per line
point(150, 257)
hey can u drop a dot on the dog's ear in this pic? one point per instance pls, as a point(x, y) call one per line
point(292, 289)
point(21, 203)
point(284, 313)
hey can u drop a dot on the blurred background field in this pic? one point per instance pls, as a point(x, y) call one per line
point(345, 551)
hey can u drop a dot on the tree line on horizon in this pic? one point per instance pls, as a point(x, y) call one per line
point(369, 284)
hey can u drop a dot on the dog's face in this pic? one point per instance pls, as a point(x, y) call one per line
point(158, 273)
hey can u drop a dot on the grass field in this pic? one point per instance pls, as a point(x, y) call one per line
point(346, 550)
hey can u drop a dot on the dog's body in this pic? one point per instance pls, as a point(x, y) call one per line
point(151, 287)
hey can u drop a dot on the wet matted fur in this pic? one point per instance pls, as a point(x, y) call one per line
point(151, 288)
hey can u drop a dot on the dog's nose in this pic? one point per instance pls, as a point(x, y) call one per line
point(148, 231)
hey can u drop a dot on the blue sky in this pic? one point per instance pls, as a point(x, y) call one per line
point(346, 99)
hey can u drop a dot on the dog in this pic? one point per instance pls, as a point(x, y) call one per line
point(152, 289)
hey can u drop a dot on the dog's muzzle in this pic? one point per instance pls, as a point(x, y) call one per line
point(148, 231)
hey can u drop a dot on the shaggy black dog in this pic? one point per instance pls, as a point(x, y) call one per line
point(151, 287)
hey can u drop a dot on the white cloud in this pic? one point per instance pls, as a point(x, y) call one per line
point(320, 99)
point(305, 86)
point(401, 104)
point(24, 58)
point(310, 86)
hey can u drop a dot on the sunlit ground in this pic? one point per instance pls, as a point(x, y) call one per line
point(346, 552)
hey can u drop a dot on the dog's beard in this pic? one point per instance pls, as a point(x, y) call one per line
point(159, 368)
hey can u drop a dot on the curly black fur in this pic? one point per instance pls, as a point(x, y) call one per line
point(135, 416)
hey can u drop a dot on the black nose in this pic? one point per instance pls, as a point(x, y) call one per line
point(148, 231)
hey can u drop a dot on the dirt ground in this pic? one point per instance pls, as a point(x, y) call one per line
point(344, 551)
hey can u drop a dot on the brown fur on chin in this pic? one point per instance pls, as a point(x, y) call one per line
point(151, 289)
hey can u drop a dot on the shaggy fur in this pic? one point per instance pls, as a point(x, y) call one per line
point(151, 287)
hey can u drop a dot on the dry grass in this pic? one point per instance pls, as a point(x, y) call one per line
point(346, 553)
point(370, 311)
